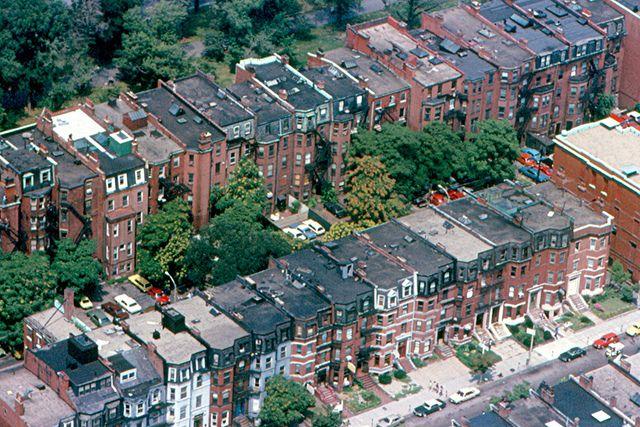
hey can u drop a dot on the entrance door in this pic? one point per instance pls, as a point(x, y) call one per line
point(322, 376)
point(479, 320)
point(402, 348)
point(197, 421)
point(574, 285)
point(440, 336)
point(495, 314)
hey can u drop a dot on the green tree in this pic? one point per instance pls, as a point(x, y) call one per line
point(245, 186)
point(27, 285)
point(411, 10)
point(492, 152)
point(234, 243)
point(619, 274)
point(342, 10)
point(344, 229)
point(369, 192)
point(163, 241)
point(331, 419)
point(150, 48)
point(76, 267)
point(636, 107)
point(109, 40)
point(603, 105)
point(286, 403)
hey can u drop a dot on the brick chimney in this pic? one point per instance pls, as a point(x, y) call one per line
point(320, 84)
point(613, 402)
point(282, 93)
point(363, 82)
point(547, 394)
point(585, 382)
point(625, 365)
point(503, 409)
point(67, 304)
point(636, 422)
point(89, 104)
point(204, 139)
point(19, 404)
point(285, 59)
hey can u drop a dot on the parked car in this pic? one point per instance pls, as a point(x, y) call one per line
point(307, 231)
point(572, 353)
point(429, 407)
point(526, 160)
point(85, 303)
point(633, 329)
point(139, 282)
point(115, 310)
point(159, 295)
point(390, 421)
point(420, 202)
point(464, 394)
point(606, 340)
point(315, 226)
point(336, 209)
point(128, 303)
point(455, 194)
point(295, 233)
point(98, 317)
point(545, 169)
point(534, 174)
point(436, 198)
point(614, 350)
point(535, 154)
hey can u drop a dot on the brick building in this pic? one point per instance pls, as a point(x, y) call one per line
point(594, 162)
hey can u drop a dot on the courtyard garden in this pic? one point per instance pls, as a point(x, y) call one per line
point(475, 358)
point(519, 333)
point(575, 321)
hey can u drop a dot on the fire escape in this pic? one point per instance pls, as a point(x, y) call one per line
point(524, 112)
point(319, 168)
point(595, 86)
point(173, 190)
point(18, 239)
point(53, 227)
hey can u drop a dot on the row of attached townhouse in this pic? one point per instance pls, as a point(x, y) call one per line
point(360, 305)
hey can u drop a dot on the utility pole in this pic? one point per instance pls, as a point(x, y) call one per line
point(532, 334)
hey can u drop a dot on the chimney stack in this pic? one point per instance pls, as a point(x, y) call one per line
point(320, 84)
point(68, 302)
point(282, 93)
point(585, 382)
point(19, 404)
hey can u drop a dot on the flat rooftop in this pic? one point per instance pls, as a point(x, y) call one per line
point(485, 221)
point(53, 320)
point(111, 340)
point(609, 383)
point(262, 104)
point(535, 214)
point(173, 348)
point(19, 154)
point(380, 80)
point(75, 125)
point(336, 83)
point(405, 244)
point(214, 327)
point(502, 50)
point(570, 205)
point(488, 419)
point(446, 234)
point(278, 76)
point(601, 12)
point(212, 100)
point(254, 311)
point(608, 144)
point(323, 272)
point(385, 38)
point(533, 412)
point(43, 408)
point(574, 401)
point(178, 117)
point(296, 298)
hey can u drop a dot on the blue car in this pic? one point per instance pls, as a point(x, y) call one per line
point(534, 174)
point(535, 154)
point(307, 231)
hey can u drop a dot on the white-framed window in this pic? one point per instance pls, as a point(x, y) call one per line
point(225, 419)
point(155, 396)
point(116, 230)
point(307, 158)
point(127, 409)
point(128, 376)
point(176, 163)
point(140, 408)
point(214, 419)
point(111, 185)
point(122, 180)
point(27, 180)
point(172, 374)
point(247, 128)
point(232, 157)
point(45, 175)
point(125, 201)
point(139, 176)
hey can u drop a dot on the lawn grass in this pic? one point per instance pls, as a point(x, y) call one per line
point(519, 333)
point(609, 305)
point(575, 322)
point(472, 356)
point(359, 400)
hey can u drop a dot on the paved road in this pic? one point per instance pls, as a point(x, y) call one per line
point(551, 372)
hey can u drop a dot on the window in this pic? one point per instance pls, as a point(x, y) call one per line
point(155, 397)
point(198, 401)
point(122, 181)
point(140, 196)
point(183, 392)
point(127, 409)
point(125, 201)
point(116, 230)
point(232, 157)
point(592, 243)
point(140, 408)
point(111, 185)
point(183, 412)
point(45, 175)
point(139, 176)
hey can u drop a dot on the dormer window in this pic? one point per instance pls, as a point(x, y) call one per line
point(111, 185)
point(122, 181)
point(45, 175)
point(27, 180)
point(129, 375)
point(139, 176)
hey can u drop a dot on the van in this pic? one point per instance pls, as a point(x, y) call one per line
point(140, 282)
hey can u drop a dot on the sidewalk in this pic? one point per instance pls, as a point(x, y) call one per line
point(453, 375)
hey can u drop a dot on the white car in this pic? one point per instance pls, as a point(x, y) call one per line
point(295, 233)
point(128, 303)
point(390, 421)
point(315, 226)
point(464, 394)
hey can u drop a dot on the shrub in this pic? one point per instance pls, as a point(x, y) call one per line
point(399, 374)
point(585, 319)
point(528, 322)
point(547, 335)
point(384, 378)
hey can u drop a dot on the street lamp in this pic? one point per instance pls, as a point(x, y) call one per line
point(174, 294)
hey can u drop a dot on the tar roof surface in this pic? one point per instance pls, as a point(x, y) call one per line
point(159, 100)
point(400, 241)
point(488, 419)
point(446, 234)
point(498, 11)
point(533, 412)
point(385, 37)
point(380, 270)
point(380, 80)
point(153, 145)
point(485, 221)
point(610, 383)
point(616, 148)
point(299, 300)
point(262, 104)
point(473, 67)
point(111, 340)
point(57, 357)
point(258, 314)
point(146, 375)
point(573, 30)
point(43, 408)
point(217, 329)
point(503, 51)
point(336, 83)
point(320, 270)
point(173, 348)
point(277, 76)
point(571, 205)
point(211, 99)
point(574, 401)
point(601, 12)
point(633, 5)
point(23, 159)
point(113, 166)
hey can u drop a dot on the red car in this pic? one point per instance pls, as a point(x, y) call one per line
point(454, 194)
point(527, 160)
point(546, 169)
point(606, 340)
point(158, 295)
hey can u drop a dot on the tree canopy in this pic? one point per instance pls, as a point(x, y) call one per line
point(27, 285)
point(245, 186)
point(492, 152)
point(76, 267)
point(604, 103)
point(331, 419)
point(370, 192)
point(163, 241)
point(286, 403)
point(150, 49)
point(344, 229)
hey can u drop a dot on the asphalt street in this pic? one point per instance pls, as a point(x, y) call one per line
point(551, 372)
